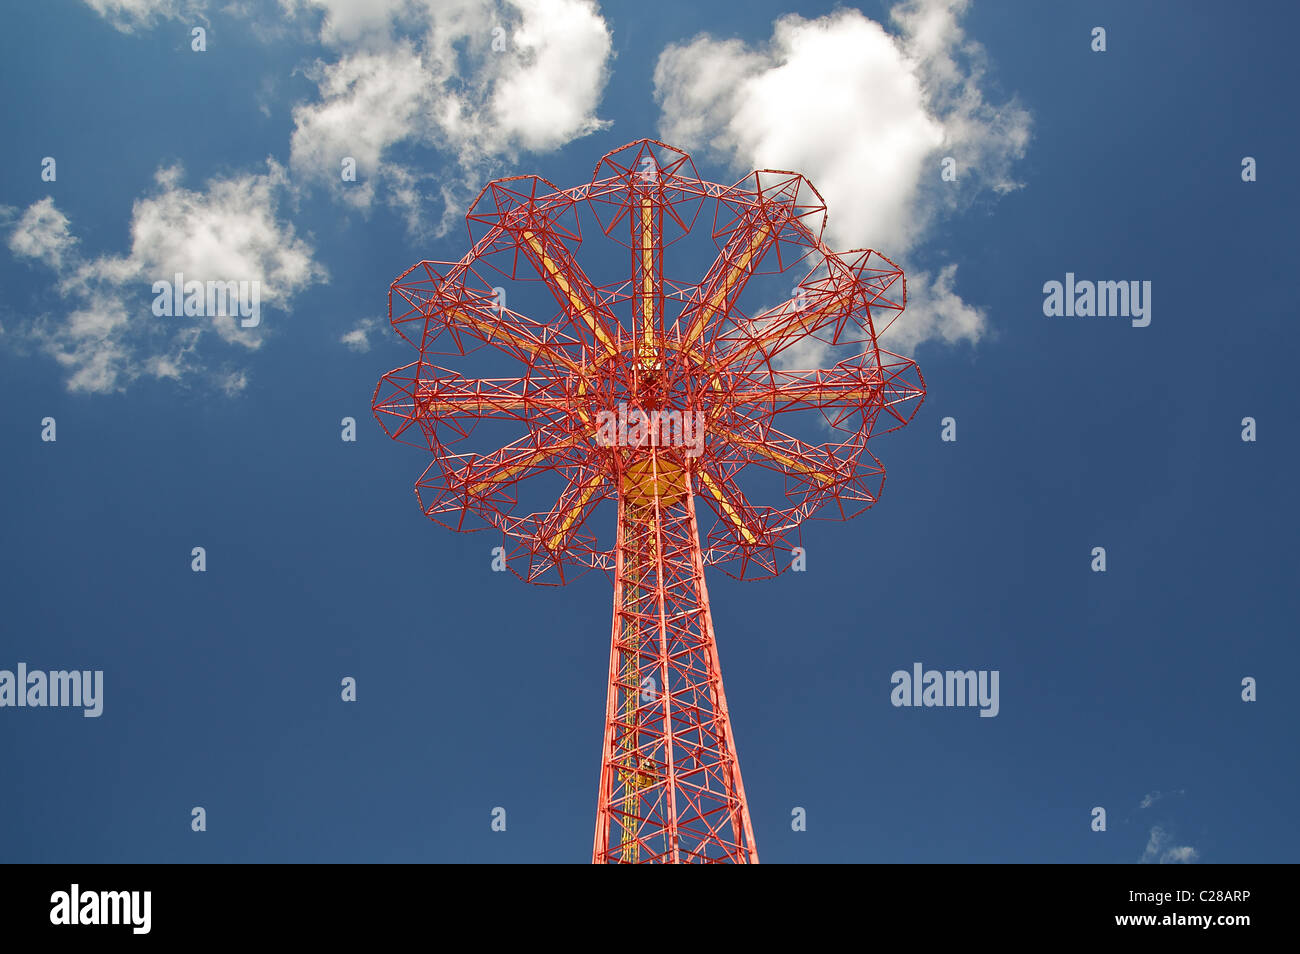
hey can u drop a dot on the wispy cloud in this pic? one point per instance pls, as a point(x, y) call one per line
point(476, 83)
point(358, 339)
point(43, 233)
point(131, 15)
point(108, 336)
point(1161, 850)
point(1152, 797)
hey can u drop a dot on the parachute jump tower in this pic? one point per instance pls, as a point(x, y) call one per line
point(640, 400)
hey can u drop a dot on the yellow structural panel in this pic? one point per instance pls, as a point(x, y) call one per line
point(515, 467)
point(472, 319)
point(647, 278)
point(812, 393)
point(555, 274)
point(640, 488)
point(785, 460)
point(723, 289)
point(477, 402)
point(745, 533)
point(779, 329)
point(585, 493)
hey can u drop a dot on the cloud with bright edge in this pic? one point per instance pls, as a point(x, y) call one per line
point(43, 232)
point(131, 15)
point(1159, 850)
point(478, 80)
point(228, 231)
point(1150, 798)
point(358, 339)
point(866, 115)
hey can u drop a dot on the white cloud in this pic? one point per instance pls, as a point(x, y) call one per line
point(1160, 851)
point(935, 312)
point(1152, 797)
point(43, 233)
point(866, 115)
point(406, 196)
point(834, 98)
point(358, 339)
point(479, 81)
point(233, 382)
point(228, 231)
point(987, 139)
point(440, 84)
point(89, 344)
point(128, 15)
point(357, 22)
point(369, 101)
point(545, 91)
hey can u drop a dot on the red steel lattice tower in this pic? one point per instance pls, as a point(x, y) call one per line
point(644, 395)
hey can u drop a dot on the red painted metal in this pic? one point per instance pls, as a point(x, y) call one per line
point(641, 396)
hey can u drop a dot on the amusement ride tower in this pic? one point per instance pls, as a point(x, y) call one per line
point(648, 396)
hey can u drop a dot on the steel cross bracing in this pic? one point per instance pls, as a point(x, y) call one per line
point(707, 367)
point(670, 785)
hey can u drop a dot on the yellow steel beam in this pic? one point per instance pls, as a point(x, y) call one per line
point(515, 466)
point(782, 327)
point(731, 513)
point(556, 274)
point(472, 319)
point(567, 518)
point(730, 279)
point(647, 279)
point(785, 460)
point(820, 393)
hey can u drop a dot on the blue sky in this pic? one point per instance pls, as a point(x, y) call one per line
point(1117, 689)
